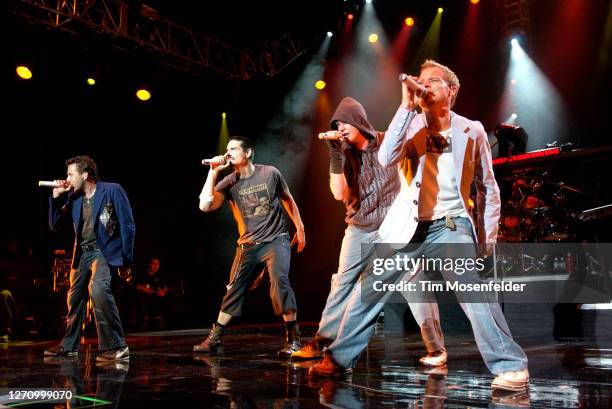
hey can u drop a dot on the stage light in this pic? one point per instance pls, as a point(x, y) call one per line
point(474, 1)
point(329, 34)
point(409, 21)
point(91, 81)
point(223, 135)
point(373, 38)
point(527, 91)
point(24, 72)
point(143, 94)
point(440, 10)
point(430, 45)
point(368, 1)
point(350, 16)
point(320, 84)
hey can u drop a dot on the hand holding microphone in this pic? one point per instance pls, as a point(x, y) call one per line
point(333, 140)
point(411, 89)
point(331, 136)
point(410, 81)
point(218, 162)
point(59, 186)
point(49, 183)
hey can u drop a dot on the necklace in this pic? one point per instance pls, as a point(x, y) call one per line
point(88, 199)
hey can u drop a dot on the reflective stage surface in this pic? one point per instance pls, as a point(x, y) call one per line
point(163, 372)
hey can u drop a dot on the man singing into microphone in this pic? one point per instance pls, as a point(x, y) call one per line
point(368, 191)
point(104, 227)
point(441, 154)
point(256, 194)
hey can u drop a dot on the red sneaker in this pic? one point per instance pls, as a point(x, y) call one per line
point(328, 368)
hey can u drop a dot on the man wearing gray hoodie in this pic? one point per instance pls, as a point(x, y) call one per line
point(368, 190)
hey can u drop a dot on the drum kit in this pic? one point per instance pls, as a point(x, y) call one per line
point(526, 217)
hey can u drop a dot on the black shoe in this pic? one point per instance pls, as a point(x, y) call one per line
point(118, 354)
point(289, 348)
point(59, 350)
point(211, 343)
point(292, 342)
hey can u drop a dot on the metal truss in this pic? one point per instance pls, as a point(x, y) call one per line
point(280, 54)
point(178, 46)
point(514, 16)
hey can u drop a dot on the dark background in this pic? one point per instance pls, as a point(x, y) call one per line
point(154, 149)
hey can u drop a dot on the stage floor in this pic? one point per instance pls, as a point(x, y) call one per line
point(164, 373)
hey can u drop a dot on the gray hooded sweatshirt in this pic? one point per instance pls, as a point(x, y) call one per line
point(373, 188)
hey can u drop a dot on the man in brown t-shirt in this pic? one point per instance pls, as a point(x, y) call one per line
point(256, 194)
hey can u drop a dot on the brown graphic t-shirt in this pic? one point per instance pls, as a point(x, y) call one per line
point(256, 204)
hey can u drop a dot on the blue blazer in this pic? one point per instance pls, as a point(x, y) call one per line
point(113, 222)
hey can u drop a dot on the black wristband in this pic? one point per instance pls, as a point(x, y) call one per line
point(336, 162)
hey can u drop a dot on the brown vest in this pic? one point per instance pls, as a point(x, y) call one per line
point(372, 187)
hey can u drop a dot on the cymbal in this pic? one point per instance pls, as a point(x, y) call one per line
point(569, 188)
point(596, 213)
point(537, 210)
point(562, 184)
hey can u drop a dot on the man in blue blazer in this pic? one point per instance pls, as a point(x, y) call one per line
point(104, 240)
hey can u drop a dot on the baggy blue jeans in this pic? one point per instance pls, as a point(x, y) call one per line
point(493, 338)
point(352, 263)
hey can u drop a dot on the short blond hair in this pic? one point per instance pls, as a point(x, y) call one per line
point(449, 76)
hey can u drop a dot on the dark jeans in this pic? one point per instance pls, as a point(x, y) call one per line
point(93, 277)
point(275, 257)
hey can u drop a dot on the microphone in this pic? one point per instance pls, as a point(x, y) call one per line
point(331, 135)
point(419, 90)
point(217, 160)
point(49, 183)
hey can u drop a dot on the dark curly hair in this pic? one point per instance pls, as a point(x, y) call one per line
point(85, 164)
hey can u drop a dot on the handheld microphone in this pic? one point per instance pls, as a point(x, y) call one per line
point(217, 160)
point(49, 183)
point(419, 90)
point(331, 135)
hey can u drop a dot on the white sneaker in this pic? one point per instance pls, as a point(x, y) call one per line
point(511, 381)
point(119, 354)
point(436, 359)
